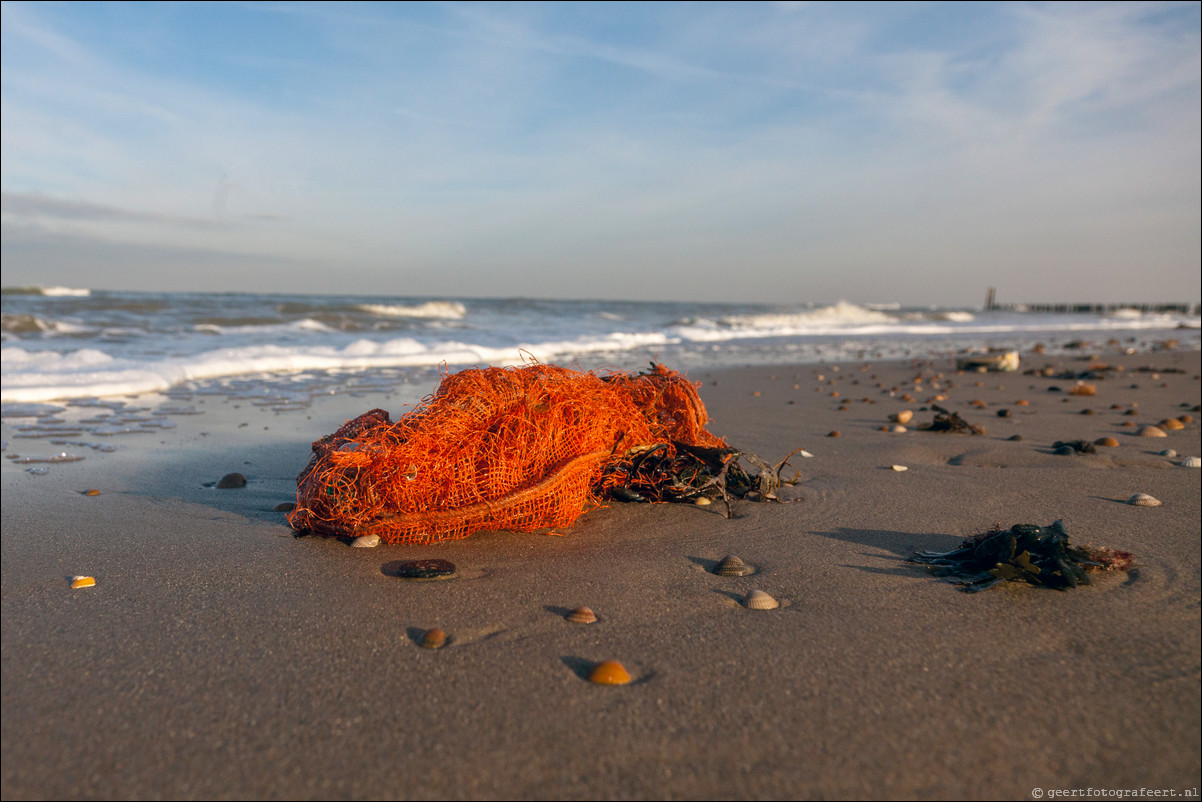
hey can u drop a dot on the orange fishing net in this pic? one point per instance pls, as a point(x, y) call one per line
point(509, 448)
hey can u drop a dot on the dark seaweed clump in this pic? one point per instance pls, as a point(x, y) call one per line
point(1040, 555)
point(948, 421)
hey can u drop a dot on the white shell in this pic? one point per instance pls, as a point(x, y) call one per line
point(702, 501)
point(805, 453)
point(898, 429)
point(899, 467)
point(366, 542)
point(759, 600)
point(1191, 462)
point(1143, 500)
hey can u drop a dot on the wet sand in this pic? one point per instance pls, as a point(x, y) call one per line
point(219, 656)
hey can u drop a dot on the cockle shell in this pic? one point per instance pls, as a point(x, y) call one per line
point(434, 639)
point(732, 566)
point(78, 582)
point(902, 417)
point(1109, 442)
point(1191, 462)
point(759, 600)
point(1150, 431)
point(582, 615)
point(1143, 500)
point(609, 672)
point(366, 541)
point(1172, 425)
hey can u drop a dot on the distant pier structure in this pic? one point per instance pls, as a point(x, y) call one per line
point(991, 305)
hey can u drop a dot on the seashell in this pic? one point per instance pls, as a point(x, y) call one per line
point(1015, 437)
point(898, 429)
point(835, 433)
point(78, 582)
point(1109, 442)
point(702, 501)
point(434, 639)
point(1150, 431)
point(1172, 425)
point(1022, 403)
point(426, 570)
point(1186, 418)
point(977, 404)
point(1004, 413)
point(1168, 452)
point(759, 600)
point(1083, 388)
point(92, 492)
point(902, 417)
point(1143, 500)
point(1088, 411)
point(732, 566)
point(366, 541)
point(899, 468)
point(609, 672)
point(804, 453)
point(581, 615)
point(231, 481)
point(1191, 462)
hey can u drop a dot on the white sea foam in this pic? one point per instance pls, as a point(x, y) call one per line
point(65, 292)
point(35, 376)
point(449, 310)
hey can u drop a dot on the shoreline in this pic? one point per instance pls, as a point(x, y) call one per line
point(220, 656)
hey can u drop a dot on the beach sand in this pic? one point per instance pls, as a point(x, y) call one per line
point(219, 656)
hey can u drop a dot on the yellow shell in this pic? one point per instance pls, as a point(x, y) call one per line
point(1172, 424)
point(1109, 442)
point(609, 672)
point(582, 615)
point(902, 417)
point(82, 582)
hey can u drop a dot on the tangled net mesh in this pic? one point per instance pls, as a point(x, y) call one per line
point(521, 448)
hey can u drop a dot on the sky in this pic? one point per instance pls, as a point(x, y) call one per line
point(797, 152)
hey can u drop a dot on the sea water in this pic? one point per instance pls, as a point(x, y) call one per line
point(62, 343)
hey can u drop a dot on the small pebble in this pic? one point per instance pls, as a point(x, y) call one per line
point(1003, 413)
point(285, 506)
point(835, 433)
point(82, 582)
point(1168, 452)
point(231, 481)
point(1016, 438)
point(434, 639)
